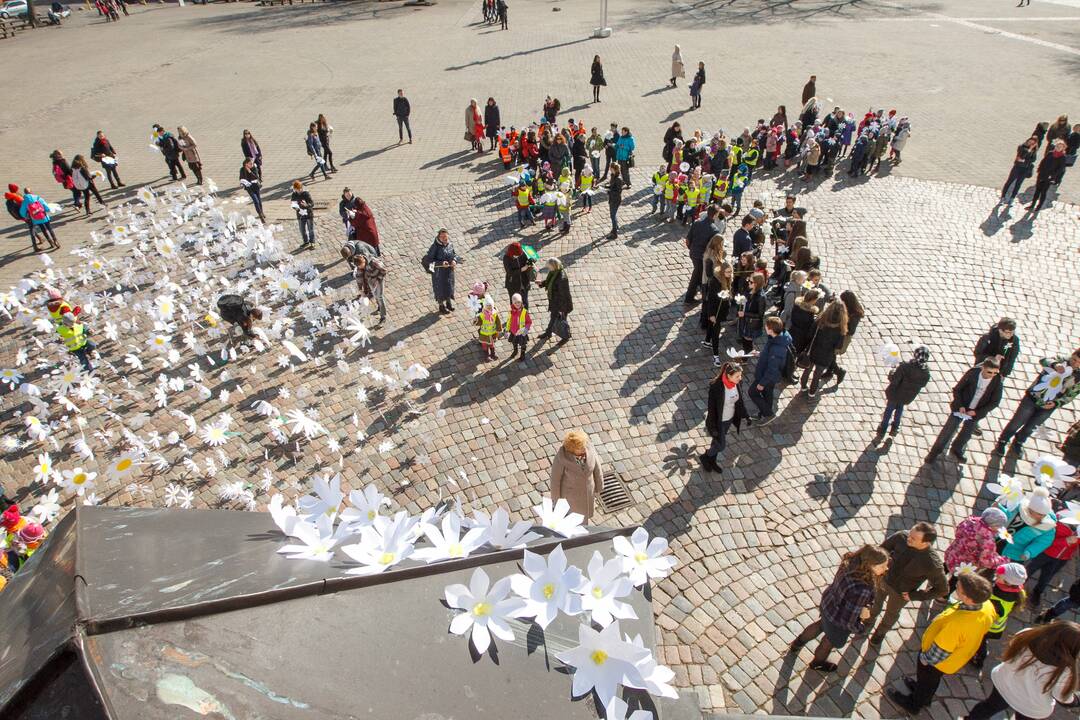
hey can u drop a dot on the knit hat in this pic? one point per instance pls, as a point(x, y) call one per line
point(1039, 501)
point(757, 213)
point(10, 518)
point(479, 288)
point(55, 295)
point(12, 187)
point(1012, 574)
point(32, 532)
point(922, 356)
point(994, 517)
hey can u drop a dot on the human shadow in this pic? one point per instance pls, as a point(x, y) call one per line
point(448, 160)
point(851, 488)
point(645, 341)
point(675, 115)
point(500, 375)
point(659, 90)
point(995, 220)
point(519, 53)
point(929, 490)
point(1023, 229)
point(371, 153)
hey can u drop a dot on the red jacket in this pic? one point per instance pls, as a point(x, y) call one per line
point(364, 222)
point(1061, 548)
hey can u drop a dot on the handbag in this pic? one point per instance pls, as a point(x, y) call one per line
point(468, 136)
point(803, 360)
point(630, 161)
point(561, 327)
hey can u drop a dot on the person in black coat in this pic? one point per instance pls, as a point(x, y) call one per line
point(726, 408)
point(520, 273)
point(828, 336)
point(491, 122)
point(801, 324)
point(673, 133)
point(580, 156)
point(596, 78)
point(696, 85)
point(855, 313)
point(906, 381)
point(1000, 342)
point(560, 304)
point(752, 314)
point(102, 149)
point(977, 393)
point(250, 147)
point(401, 113)
point(1049, 168)
point(305, 213)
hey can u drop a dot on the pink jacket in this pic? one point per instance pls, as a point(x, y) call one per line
point(975, 543)
point(514, 323)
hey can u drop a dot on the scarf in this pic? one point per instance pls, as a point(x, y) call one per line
point(728, 383)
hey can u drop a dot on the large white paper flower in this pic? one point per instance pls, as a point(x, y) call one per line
point(1009, 489)
point(889, 354)
point(643, 559)
point(44, 468)
point(302, 423)
point(603, 661)
point(383, 544)
point(317, 541)
point(67, 379)
point(601, 589)
point(1051, 471)
point(326, 500)
point(1051, 382)
point(657, 677)
point(448, 543)
point(1070, 514)
point(365, 507)
point(48, 507)
point(214, 435)
point(617, 710)
point(486, 609)
point(10, 377)
point(499, 532)
point(35, 429)
point(547, 587)
point(284, 516)
point(559, 519)
point(121, 467)
point(78, 480)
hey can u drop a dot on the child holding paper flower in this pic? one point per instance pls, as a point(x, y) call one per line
point(490, 327)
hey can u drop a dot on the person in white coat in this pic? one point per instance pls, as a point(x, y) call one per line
point(678, 70)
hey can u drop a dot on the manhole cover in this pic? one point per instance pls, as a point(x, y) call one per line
point(615, 495)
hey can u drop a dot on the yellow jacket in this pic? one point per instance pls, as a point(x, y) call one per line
point(959, 632)
point(74, 337)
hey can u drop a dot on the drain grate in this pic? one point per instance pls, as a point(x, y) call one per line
point(615, 495)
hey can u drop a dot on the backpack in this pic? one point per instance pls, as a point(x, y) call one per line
point(36, 210)
point(61, 178)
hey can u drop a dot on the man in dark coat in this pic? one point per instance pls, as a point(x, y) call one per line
point(1049, 168)
point(905, 383)
point(912, 562)
point(346, 209)
point(560, 304)
point(1000, 342)
point(770, 366)
point(171, 150)
point(440, 262)
point(742, 241)
point(401, 112)
point(698, 238)
point(977, 393)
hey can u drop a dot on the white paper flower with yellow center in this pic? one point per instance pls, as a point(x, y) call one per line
point(78, 480)
point(1051, 472)
point(486, 609)
point(547, 587)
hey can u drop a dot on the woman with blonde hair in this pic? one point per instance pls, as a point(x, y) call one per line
point(474, 125)
point(190, 150)
point(576, 474)
point(829, 332)
point(678, 68)
point(1040, 668)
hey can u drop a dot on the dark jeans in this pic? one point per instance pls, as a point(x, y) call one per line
point(553, 320)
point(608, 159)
point(818, 371)
point(45, 229)
point(328, 156)
point(893, 412)
point(256, 199)
point(1042, 186)
point(614, 222)
point(625, 167)
point(695, 278)
point(695, 100)
point(1046, 568)
point(927, 680)
point(307, 229)
point(112, 174)
point(196, 168)
point(1016, 178)
point(83, 354)
point(175, 168)
point(719, 441)
point(762, 398)
point(319, 166)
point(85, 195)
point(992, 705)
point(403, 122)
point(1063, 606)
point(953, 424)
point(1027, 417)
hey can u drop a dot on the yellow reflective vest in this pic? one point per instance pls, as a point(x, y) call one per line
point(74, 337)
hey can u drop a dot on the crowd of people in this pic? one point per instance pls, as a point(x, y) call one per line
point(1062, 146)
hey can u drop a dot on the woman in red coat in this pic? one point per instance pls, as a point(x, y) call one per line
point(363, 221)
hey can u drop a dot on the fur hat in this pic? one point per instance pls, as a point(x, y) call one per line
point(1012, 574)
point(1039, 501)
point(10, 518)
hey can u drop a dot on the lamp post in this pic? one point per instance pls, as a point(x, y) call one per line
point(603, 31)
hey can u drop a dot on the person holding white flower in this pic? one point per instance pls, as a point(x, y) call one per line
point(305, 213)
point(1057, 385)
point(1030, 529)
point(576, 474)
point(906, 381)
point(977, 393)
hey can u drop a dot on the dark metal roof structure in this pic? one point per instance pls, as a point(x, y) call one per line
point(170, 614)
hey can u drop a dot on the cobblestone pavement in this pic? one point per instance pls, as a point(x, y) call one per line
point(930, 260)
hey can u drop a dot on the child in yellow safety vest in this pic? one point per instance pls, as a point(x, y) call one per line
point(586, 187)
point(672, 192)
point(1007, 594)
point(693, 192)
point(549, 202)
point(563, 203)
point(76, 339)
point(518, 326)
point(57, 306)
point(523, 201)
point(490, 327)
point(658, 179)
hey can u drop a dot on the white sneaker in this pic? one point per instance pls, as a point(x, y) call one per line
point(716, 361)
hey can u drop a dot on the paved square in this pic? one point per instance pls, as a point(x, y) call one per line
point(921, 244)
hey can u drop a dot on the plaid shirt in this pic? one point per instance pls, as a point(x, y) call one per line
point(844, 599)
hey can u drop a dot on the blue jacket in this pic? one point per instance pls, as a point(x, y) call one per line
point(24, 209)
point(1031, 540)
point(624, 146)
point(773, 358)
point(314, 146)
